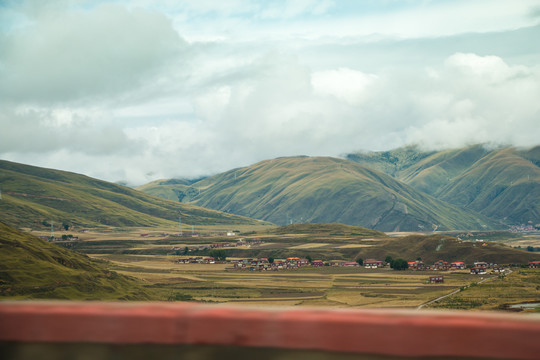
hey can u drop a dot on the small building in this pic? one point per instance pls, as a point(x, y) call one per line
point(373, 264)
point(337, 263)
point(440, 265)
point(317, 263)
point(498, 269)
point(351, 263)
point(458, 265)
point(417, 265)
point(436, 279)
point(534, 264)
point(303, 262)
point(481, 264)
point(477, 270)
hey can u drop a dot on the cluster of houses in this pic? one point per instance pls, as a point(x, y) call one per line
point(199, 260)
point(289, 263)
point(478, 268)
point(438, 265)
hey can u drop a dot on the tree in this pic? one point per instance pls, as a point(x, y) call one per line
point(419, 259)
point(360, 261)
point(271, 259)
point(388, 259)
point(399, 264)
point(530, 248)
point(309, 258)
point(219, 255)
point(186, 249)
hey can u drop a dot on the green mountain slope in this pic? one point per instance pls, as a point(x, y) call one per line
point(325, 190)
point(32, 195)
point(501, 183)
point(391, 162)
point(432, 173)
point(31, 268)
point(171, 189)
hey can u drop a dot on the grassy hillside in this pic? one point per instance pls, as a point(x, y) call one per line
point(436, 171)
point(325, 190)
point(171, 189)
point(501, 183)
point(31, 268)
point(391, 162)
point(435, 247)
point(32, 196)
point(333, 229)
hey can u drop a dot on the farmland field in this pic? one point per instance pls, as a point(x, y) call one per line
point(151, 257)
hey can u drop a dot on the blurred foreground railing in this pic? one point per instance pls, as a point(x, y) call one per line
point(379, 333)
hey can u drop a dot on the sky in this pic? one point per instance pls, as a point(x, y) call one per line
point(134, 91)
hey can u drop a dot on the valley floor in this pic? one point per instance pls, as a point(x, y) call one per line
point(152, 258)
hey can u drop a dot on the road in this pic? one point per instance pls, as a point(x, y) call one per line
point(458, 290)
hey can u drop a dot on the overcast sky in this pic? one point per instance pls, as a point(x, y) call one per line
point(140, 90)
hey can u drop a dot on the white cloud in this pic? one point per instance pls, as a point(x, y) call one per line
point(113, 91)
point(68, 54)
point(345, 84)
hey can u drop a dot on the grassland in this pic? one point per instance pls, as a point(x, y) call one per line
point(31, 268)
point(128, 266)
point(521, 286)
point(326, 286)
point(152, 261)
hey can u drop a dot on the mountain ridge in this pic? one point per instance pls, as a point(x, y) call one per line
point(502, 183)
point(33, 195)
point(326, 189)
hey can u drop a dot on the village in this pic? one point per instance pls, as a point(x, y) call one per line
point(291, 263)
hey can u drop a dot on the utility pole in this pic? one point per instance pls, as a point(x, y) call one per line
point(52, 230)
point(180, 225)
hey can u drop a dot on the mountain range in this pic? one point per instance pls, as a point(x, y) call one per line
point(324, 189)
point(33, 196)
point(500, 183)
point(405, 189)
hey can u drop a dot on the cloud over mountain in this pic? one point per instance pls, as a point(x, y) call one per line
point(140, 90)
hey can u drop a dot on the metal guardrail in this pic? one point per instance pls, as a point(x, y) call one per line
point(395, 333)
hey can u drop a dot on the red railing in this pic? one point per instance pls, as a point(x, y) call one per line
point(376, 332)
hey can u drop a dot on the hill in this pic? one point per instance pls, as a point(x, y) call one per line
point(170, 189)
point(434, 247)
point(326, 190)
point(33, 196)
point(31, 268)
point(390, 162)
point(501, 183)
